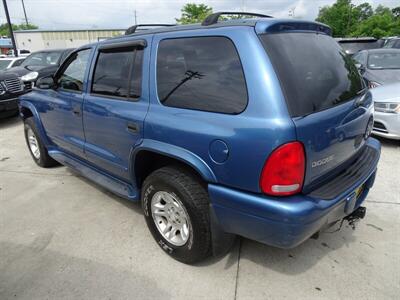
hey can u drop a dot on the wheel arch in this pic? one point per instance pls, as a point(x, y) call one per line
point(27, 110)
point(151, 155)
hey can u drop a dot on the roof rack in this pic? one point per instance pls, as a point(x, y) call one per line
point(133, 28)
point(213, 18)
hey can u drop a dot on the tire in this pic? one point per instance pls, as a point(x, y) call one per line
point(39, 154)
point(185, 191)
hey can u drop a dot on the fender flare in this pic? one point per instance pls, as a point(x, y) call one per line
point(177, 153)
point(36, 118)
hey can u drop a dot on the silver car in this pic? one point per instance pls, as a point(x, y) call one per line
point(387, 111)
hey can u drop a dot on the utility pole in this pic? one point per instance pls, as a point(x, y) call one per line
point(135, 18)
point(26, 18)
point(10, 28)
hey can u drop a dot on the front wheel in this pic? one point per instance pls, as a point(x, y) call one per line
point(176, 210)
point(35, 145)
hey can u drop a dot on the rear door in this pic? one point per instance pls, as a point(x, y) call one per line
point(325, 97)
point(116, 105)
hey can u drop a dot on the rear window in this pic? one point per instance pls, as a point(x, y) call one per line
point(314, 72)
point(354, 47)
point(201, 73)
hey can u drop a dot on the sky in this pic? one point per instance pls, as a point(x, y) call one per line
point(119, 14)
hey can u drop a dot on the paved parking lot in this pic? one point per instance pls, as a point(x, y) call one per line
point(62, 237)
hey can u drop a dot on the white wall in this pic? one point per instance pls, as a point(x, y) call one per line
point(40, 40)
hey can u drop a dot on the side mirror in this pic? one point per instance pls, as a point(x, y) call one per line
point(45, 83)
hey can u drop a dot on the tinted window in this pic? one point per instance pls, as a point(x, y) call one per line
point(74, 72)
point(43, 59)
point(118, 73)
point(314, 72)
point(201, 73)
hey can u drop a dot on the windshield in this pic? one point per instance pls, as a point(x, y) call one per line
point(314, 72)
point(42, 59)
point(4, 64)
point(386, 60)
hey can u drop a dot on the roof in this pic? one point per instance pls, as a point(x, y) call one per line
point(67, 30)
point(264, 24)
point(383, 50)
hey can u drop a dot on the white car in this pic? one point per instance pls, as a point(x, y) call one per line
point(10, 62)
point(387, 111)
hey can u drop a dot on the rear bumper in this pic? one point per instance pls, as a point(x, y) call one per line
point(286, 222)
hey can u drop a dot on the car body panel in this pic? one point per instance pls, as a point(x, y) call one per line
point(107, 152)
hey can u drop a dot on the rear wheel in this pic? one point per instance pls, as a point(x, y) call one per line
point(175, 206)
point(35, 145)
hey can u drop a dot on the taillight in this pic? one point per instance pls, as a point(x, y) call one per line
point(283, 172)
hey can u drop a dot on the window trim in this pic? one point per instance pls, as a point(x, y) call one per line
point(195, 37)
point(63, 67)
point(112, 48)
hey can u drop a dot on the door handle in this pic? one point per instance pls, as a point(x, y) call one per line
point(133, 127)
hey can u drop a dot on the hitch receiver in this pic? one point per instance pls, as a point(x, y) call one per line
point(355, 216)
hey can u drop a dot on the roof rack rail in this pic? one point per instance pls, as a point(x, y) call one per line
point(213, 18)
point(133, 28)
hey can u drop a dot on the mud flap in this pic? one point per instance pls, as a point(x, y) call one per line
point(222, 241)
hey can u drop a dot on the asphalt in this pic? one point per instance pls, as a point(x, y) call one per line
point(63, 237)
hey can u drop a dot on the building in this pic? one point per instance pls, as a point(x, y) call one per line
point(37, 39)
point(5, 45)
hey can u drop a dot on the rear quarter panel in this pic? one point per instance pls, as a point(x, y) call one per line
point(250, 136)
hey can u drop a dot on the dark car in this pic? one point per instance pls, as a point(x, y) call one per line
point(379, 66)
point(353, 45)
point(39, 64)
point(220, 129)
point(10, 88)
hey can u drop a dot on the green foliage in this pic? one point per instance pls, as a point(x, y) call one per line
point(194, 13)
point(5, 32)
point(347, 19)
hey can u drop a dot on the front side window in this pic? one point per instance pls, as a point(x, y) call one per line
point(118, 73)
point(201, 73)
point(71, 79)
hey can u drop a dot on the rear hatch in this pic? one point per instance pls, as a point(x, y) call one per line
point(326, 99)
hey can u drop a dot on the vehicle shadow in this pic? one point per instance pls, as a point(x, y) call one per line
point(388, 142)
point(302, 258)
point(9, 122)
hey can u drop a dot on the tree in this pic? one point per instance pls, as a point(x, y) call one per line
point(346, 19)
point(5, 32)
point(194, 13)
point(396, 12)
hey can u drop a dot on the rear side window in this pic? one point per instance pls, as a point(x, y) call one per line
point(118, 73)
point(201, 73)
point(314, 72)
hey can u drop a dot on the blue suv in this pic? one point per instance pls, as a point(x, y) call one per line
point(256, 127)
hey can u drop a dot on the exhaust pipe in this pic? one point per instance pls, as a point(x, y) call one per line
point(355, 216)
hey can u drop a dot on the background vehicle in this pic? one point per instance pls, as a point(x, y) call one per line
point(39, 64)
point(21, 52)
point(10, 62)
point(213, 131)
point(353, 45)
point(379, 66)
point(393, 42)
point(10, 89)
point(387, 111)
